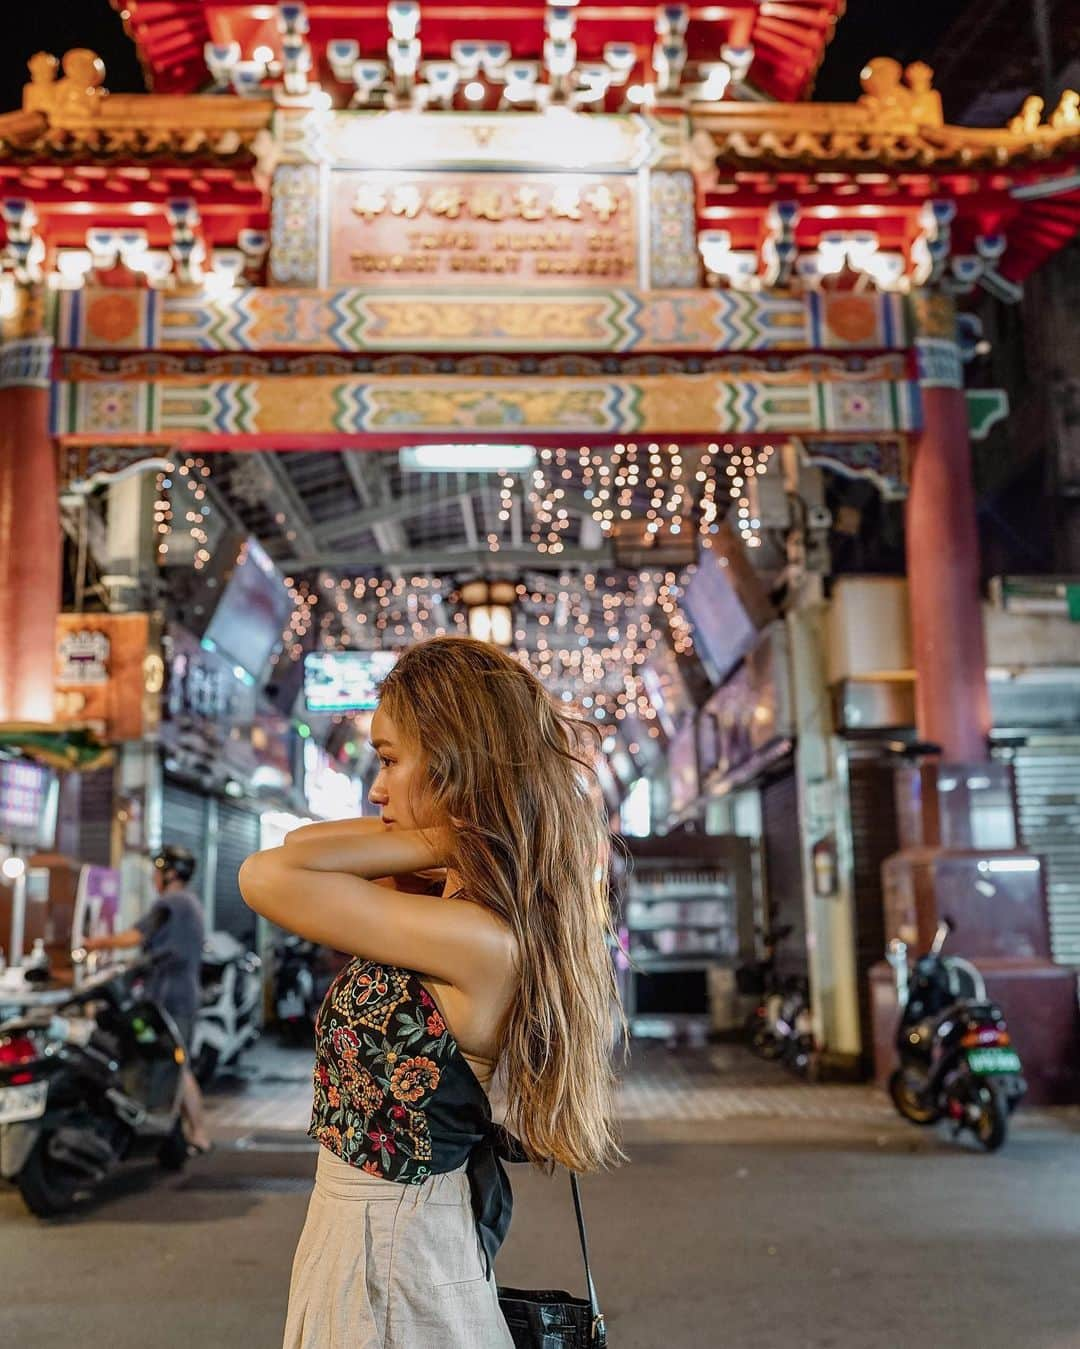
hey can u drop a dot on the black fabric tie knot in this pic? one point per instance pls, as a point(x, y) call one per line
point(489, 1186)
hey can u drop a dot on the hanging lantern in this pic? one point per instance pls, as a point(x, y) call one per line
point(490, 606)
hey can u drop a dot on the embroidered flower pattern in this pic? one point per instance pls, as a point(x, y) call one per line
point(414, 1078)
point(381, 1046)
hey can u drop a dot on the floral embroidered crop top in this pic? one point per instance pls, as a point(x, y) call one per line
point(395, 1096)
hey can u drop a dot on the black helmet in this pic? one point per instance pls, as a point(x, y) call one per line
point(175, 860)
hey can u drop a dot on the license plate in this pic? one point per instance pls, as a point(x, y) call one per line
point(18, 1103)
point(993, 1060)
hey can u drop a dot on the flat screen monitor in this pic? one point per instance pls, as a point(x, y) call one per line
point(345, 681)
point(609, 784)
point(623, 767)
point(666, 687)
point(683, 768)
point(248, 620)
point(722, 629)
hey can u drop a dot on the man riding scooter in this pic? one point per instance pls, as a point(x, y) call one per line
point(173, 930)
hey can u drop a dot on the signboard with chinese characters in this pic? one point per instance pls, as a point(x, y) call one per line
point(574, 230)
point(109, 674)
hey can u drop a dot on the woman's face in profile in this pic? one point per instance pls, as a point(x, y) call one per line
point(399, 789)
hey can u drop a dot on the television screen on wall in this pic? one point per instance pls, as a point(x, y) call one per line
point(683, 768)
point(248, 619)
point(723, 631)
point(345, 681)
point(666, 688)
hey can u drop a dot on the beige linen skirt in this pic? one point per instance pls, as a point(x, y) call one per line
point(382, 1265)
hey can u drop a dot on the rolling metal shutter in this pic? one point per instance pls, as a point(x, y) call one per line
point(184, 823)
point(95, 816)
point(782, 855)
point(237, 836)
point(1048, 796)
point(874, 836)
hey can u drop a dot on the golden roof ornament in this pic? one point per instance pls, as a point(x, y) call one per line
point(79, 89)
point(77, 106)
point(1067, 112)
point(896, 97)
point(1028, 119)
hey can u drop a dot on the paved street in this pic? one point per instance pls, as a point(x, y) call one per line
point(757, 1213)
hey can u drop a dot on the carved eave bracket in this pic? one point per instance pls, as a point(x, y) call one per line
point(74, 111)
point(897, 123)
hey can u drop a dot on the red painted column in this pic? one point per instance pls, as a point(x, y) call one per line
point(30, 536)
point(952, 700)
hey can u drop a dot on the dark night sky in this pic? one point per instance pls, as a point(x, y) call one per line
point(56, 26)
point(909, 32)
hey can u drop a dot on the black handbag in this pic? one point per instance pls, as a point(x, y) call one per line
point(549, 1319)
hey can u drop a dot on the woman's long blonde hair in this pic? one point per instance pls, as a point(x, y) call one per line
point(510, 772)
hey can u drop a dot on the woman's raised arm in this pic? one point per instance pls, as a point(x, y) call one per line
point(323, 888)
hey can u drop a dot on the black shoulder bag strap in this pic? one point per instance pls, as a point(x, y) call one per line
point(599, 1331)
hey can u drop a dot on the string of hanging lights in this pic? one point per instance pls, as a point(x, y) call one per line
point(182, 497)
point(586, 635)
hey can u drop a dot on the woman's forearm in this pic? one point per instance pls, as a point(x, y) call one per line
point(369, 854)
point(364, 825)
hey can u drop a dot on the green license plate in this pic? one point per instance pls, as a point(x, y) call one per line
point(993, 1060)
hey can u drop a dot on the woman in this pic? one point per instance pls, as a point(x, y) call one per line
point(507, 967)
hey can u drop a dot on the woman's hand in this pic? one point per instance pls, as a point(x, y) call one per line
point(326, 832)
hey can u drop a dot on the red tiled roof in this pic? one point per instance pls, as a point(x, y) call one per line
point(789, 37)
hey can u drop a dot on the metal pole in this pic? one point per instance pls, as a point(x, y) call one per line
point(208, 892)
point(18, 918)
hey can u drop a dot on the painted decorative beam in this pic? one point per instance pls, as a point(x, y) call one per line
point(234, 413)
point(356, 320)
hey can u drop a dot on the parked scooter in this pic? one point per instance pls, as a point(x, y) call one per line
point(758, 979)
point(88, 1078)
point(785, 1033)
point(230, 1017)
point(300, 983)
point(957, 1061)
point(780, 1026)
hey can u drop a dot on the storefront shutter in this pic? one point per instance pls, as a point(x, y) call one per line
point(95, 816)
point(237, 838)
point(184, 824)
point(1048, 796)
point(874, 836)
point(782, 855)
